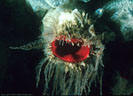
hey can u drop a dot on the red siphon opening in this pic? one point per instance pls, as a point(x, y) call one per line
point(70, 50)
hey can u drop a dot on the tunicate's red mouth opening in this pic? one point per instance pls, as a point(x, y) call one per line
point(72, 50)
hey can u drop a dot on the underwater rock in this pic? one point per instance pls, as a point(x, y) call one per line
point(121, 13)
point(56, 3)
point(47, 4)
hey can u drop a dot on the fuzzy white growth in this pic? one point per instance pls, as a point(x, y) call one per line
point(60, 77)
point(54, 19)
point(69, 78)
point(76, 84)
point(65, 17)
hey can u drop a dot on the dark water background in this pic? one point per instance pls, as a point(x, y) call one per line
point(19, 25)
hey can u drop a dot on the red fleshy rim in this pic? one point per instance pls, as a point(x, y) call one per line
point(69, 53)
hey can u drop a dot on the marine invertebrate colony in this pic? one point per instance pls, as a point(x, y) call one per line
point(72, 52)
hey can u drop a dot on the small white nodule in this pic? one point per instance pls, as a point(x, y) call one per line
point(65, 17)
